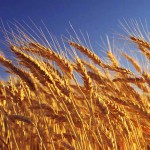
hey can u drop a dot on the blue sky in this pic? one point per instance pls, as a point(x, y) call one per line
point(97, 17)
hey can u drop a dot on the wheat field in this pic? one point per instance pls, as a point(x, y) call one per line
point(53, 101)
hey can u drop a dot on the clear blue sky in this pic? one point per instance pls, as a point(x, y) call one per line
point(97, 17)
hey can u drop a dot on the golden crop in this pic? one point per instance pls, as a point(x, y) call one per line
point(45, 104)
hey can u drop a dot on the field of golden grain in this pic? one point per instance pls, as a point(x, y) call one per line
point(55, 102)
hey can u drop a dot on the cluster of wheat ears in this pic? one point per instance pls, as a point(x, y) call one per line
point(54, 102)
